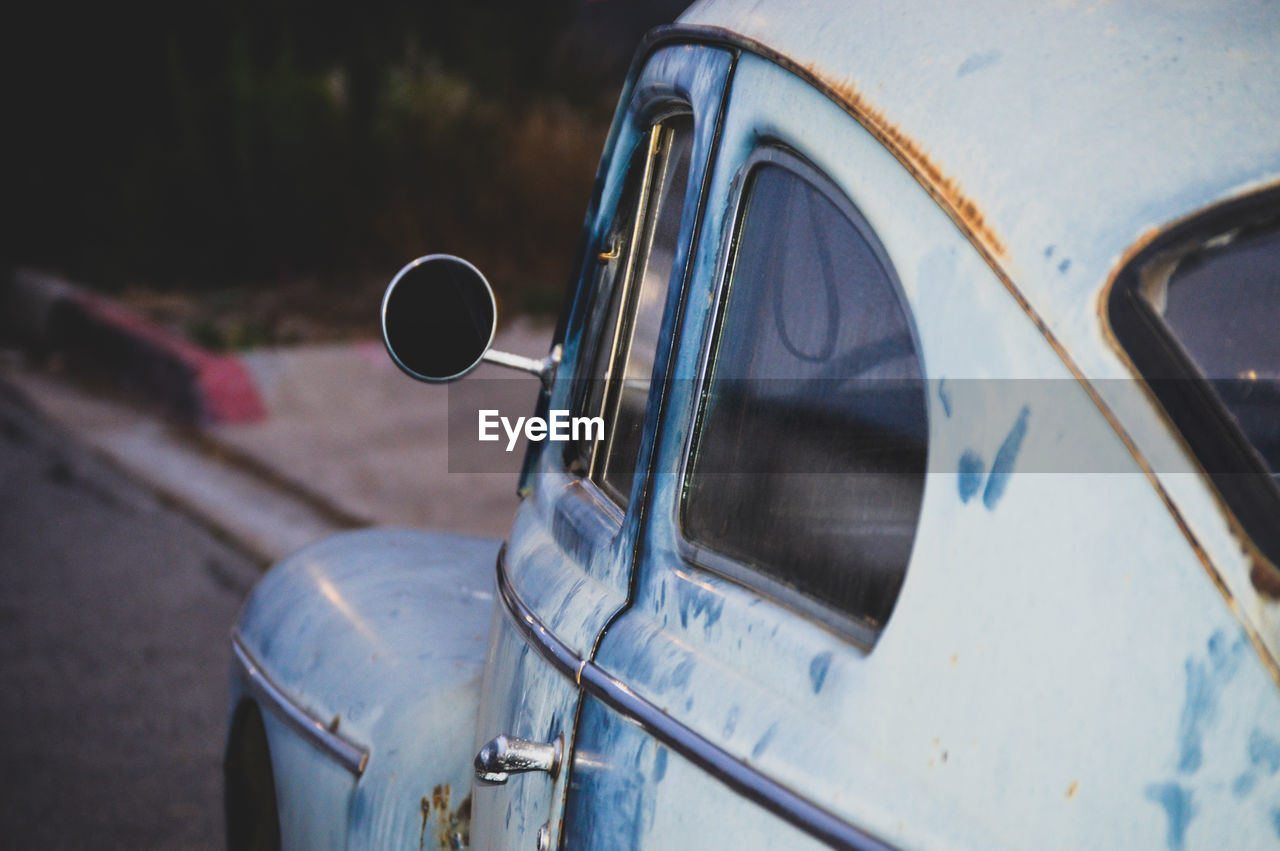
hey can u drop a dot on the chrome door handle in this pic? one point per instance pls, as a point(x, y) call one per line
point(503, 756)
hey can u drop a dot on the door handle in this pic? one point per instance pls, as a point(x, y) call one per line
point(504, 755)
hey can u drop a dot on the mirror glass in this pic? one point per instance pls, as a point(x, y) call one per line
point(438, 317)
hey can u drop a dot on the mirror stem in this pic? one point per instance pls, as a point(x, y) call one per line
point(545, 369)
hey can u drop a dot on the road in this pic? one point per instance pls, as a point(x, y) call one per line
point(114, 615)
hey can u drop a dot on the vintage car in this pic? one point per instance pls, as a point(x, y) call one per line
point(936, 350)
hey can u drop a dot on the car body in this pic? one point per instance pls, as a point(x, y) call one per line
point(911, 526)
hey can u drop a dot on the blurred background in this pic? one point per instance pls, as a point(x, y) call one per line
point(256, 171)
point(204, 203)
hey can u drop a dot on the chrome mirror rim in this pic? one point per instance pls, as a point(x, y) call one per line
point(386, 298)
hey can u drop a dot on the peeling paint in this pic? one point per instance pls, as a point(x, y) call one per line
point(1179, 809)
point(944, 396)
point(694, 604)
point(763, 744)
point(1243, 785)
point(660, 765)
point(1205, 679)
point(1006, 457)
point(1264, 757)
point(818, 666)
point(731, 722)
point(978, 61)
point(970, 473)
point(1264, 751)
point(455, 826)
point(1264, 575)
point(366, 673)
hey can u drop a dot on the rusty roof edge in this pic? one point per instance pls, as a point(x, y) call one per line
point(944, 189)
point(968, 218)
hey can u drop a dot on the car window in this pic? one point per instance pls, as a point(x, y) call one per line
point(1219, 302)
point(807, 461)
point(1196, 312)
point(636, 262)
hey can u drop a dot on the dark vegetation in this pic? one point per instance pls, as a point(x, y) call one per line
point(279, 160)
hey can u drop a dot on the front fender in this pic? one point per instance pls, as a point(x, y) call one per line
point(373, 641)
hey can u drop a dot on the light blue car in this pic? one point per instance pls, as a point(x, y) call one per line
point(934, 351)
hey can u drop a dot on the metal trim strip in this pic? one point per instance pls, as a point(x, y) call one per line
point(351, 756)
point(744, 780)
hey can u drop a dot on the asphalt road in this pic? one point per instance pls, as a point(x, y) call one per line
point(114, 615)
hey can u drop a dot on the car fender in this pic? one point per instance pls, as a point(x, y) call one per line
point(364, 655)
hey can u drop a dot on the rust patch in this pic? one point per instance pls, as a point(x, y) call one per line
point(944, 188)
point(453, 827)
point(1071, 790)
point(1265, 578)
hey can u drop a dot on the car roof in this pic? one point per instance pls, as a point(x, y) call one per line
point(1057, 134)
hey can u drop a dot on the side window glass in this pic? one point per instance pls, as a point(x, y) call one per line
point(807, 463)
point(637, 260)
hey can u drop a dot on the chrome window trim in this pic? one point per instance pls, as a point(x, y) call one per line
point(493, 308)
point(352, 757)
point(738, 776)
point(636, 241)
point(771, 152)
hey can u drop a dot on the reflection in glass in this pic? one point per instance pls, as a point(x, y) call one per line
point(809, 458)
point(1222, 303)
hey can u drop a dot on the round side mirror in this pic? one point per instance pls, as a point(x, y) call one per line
point(438, 318)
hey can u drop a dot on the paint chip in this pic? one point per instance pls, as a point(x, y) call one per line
point(1006, 457)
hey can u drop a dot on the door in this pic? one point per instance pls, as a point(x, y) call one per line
point(786, 493)
point(566, 568)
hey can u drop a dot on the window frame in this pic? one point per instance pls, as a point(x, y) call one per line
point(1199, 417)
point(607, 331)
point(841, 623)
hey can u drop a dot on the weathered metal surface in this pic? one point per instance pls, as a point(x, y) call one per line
point(1077, 659)
point(569, 554)
point(321, 732)
point(383, 633)
point(1074, 126)
point(1039, 685)
point(1045, 117)
point(944, 188)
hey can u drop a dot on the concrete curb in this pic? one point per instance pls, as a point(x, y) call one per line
point(98, 334)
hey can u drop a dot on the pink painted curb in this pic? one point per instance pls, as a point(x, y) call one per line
point(196, 384)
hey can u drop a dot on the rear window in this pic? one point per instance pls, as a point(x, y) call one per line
point(1221, 302)
point(1199, 312)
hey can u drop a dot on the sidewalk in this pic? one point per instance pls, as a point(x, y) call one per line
point(347, 424)
point(344, 440)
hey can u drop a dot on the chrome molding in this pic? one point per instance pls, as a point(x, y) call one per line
point(352, 757)
point(386, 300)
point(746, 781)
